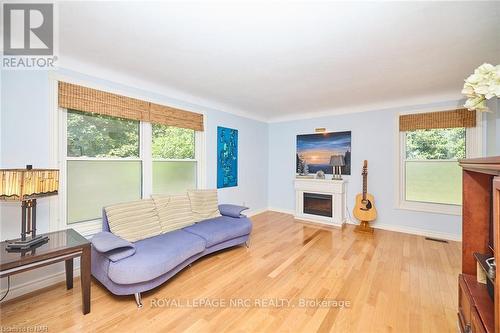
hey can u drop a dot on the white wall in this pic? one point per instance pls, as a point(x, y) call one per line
point(492, 128)
point(25, 139)
point(252, 160)
point(373, 139)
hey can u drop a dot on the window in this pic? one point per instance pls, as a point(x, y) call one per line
point(93, 184)
point(174, 164)
point(432, 173)
point(102, 165)
point(110, 160)
point(430, 178)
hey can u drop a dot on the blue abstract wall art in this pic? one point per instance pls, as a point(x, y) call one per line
point(227, 157)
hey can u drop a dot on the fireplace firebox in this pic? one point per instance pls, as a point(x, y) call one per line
point(318, 204)
point(321, 201)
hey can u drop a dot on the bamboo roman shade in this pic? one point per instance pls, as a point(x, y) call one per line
point(72, 96)
point(443, 119)
point(174, 117)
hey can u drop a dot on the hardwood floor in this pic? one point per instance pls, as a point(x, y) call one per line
point(393, 282)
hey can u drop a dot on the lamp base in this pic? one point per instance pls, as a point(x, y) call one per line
point(19, 245)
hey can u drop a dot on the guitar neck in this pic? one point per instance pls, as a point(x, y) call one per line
point(365, 185)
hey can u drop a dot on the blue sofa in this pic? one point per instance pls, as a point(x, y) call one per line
point(126, 268)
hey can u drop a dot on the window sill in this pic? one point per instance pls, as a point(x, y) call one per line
point(431, 207)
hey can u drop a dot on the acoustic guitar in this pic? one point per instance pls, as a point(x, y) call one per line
point(364, 209)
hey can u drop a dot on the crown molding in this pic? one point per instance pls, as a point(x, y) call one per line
point(450, 98)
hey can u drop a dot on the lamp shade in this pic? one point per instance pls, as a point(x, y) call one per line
point(337, 160)
point(24, 184)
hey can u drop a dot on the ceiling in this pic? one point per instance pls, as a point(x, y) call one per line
point(283, 61)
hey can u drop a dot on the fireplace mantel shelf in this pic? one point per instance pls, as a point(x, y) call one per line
point(319, 180)
point(335, 189)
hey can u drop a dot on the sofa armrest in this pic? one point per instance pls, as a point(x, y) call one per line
point(232, 210)
point(112, 246)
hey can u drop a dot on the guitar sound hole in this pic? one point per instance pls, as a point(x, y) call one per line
point(367, 203)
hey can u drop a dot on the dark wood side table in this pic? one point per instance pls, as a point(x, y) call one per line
point(64, 245)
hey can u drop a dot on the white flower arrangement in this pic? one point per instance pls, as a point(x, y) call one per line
point(481, 86)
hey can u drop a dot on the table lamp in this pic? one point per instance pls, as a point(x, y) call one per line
point(337, 162)
point(26, 185)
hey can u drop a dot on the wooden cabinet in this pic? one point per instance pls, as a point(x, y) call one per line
point(476, 324)
point(496, 250)
point(464, 305)
point(475, 307)
point(477, 310)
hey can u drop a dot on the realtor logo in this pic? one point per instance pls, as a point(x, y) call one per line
point(28, 29)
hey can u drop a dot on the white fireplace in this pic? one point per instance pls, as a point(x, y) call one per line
point(321, 201)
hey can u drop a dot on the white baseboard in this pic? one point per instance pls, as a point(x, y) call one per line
point(282, 210)
point(396, 228)
point(419, 232)
point(254, 212)
point(33, 285)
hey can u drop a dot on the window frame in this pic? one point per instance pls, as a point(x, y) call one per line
point(473, 146)
point(58, 157)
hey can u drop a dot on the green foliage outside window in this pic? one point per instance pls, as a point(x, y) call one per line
point(435, 144)
point(95, 135)
point(172, 142)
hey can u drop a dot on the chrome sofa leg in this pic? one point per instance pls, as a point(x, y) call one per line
point(138, 300)
point(247, 243)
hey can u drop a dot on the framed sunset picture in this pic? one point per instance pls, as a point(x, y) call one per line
point(316, 149)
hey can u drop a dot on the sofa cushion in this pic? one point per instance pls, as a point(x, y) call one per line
point(221, 229)
point(134, 220)
point(111, 246)
point(204, 204)
point(174, 211)
point(106, 241)
point(231, 210)
point(156, 256)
